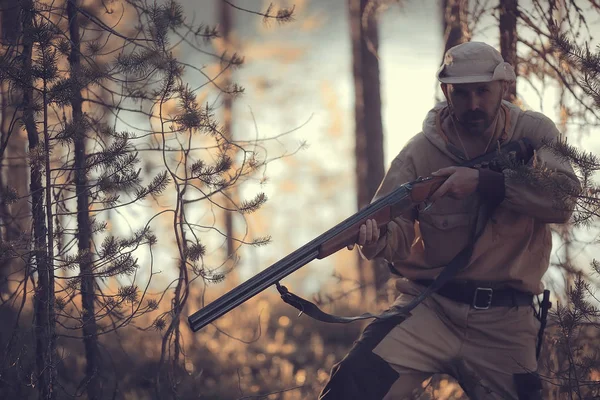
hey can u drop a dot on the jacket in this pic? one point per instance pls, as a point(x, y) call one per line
point(514, 247)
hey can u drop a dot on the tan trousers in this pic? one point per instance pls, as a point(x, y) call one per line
point(483, 349)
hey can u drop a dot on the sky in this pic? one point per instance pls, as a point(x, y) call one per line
point(298, 77)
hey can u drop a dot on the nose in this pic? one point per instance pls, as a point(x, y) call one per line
point(473, 102)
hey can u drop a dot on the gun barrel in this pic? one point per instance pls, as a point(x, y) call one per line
point(332, 240)
point(288, 264)
point(248, 289)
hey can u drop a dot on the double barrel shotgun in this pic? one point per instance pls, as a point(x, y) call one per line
point(401, 201)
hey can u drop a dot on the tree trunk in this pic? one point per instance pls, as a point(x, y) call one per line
point(226, 23)
point(45, 318)
point(84, 235)
point(368, 124)
point(15, 219)
point(10, 22)
point(455, 23)
point(508, 40)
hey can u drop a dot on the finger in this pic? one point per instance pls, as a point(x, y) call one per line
point(444, 171)
point(376, 231)
point(362, 235)
point(369, 231)
point(442, 190)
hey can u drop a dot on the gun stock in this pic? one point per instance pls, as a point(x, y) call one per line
point(383, 210)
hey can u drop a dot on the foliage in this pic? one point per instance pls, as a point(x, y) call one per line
point(117, 135)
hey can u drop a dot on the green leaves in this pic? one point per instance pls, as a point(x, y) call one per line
point(212, 175)
point(249, 206)
point(195, 251)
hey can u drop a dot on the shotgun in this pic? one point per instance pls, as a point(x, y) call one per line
point(400, 201)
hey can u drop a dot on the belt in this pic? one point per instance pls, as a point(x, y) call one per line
point(480, 296)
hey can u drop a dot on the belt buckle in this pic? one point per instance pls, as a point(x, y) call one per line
point(488, 303)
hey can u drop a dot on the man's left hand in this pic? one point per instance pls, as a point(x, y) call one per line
point(461, 182)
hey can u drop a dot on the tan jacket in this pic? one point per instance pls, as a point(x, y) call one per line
point(514, 248)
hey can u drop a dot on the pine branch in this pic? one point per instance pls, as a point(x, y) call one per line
point(282, 15)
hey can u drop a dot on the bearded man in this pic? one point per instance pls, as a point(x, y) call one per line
point(480, 327)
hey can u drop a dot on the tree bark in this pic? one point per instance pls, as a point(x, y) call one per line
point(84, 235)
point(368, 124)
point(455, 23)
point(508, 40)
point(10, 22)
point(45, 317)
point(15, 219)
point(226, 24)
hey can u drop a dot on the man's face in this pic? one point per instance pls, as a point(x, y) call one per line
point(475, 105)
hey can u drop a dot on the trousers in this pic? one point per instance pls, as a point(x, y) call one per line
point(490, 352)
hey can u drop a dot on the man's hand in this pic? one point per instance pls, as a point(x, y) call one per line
point(367, 234)
point(461, 182)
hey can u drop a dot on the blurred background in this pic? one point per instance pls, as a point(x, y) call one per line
point(255, 127)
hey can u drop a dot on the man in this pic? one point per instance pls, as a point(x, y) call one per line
point(480, 327)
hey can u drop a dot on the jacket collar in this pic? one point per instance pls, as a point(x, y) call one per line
point(434, 133)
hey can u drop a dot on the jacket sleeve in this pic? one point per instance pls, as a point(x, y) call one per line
point(544, 188)
point(395, 243)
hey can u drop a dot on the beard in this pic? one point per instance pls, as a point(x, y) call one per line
point(476, 122)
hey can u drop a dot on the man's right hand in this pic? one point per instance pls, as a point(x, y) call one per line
point(367, 234)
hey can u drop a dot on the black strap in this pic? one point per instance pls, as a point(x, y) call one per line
point(545, 305)
point(313, 311)
point(450, 271)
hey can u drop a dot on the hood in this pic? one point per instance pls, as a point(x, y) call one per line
point(432, 129)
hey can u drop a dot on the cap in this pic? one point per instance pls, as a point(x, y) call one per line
point(473, 62)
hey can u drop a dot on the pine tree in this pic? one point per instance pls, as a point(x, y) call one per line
point(455, 27)
point(368, 123)
point(508, 40)
point(575, 360)
point(75, 74)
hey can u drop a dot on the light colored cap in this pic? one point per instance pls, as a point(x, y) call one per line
point(473, 62)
